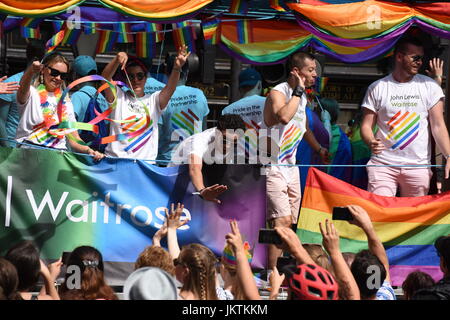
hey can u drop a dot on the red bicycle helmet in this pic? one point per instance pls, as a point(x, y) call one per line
point(311, 282)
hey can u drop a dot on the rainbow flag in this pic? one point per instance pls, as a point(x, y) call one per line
point(106, 41)
point(54, 41)
point(239, 6)
point(184, 34)
point(275, 4)
point(71, 36)
point(57, 25)
point(153, 27)
point(407, 227)
point(244, 32)
point(30, 33)
point(210, 31)
point(124, 34)
point(89, 27)
point(145, 44)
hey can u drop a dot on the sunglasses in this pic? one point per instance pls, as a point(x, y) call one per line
point(415, 58)
point(55, 73)
point(139, 76)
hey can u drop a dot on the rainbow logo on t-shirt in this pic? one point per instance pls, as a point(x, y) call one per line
point(139, 141)
point(187, 123)
point(403, 129)
point(290, 141)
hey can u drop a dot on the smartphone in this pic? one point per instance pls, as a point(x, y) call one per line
point(269, 236)
point(342, 213)
point(65, 257)
point(283, 262)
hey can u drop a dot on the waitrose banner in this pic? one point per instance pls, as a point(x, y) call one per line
point(62, 200)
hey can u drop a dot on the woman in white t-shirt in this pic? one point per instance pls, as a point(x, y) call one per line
point(137, 113)
point(37, 104)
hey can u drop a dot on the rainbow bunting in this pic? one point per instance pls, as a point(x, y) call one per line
point(55, 41)
point(407, 227)
point(106, 41)
point(124, 34)
point(89, 27)
point(153, 27)
point(30, 33)
point(239, 6)
point(71, 36)
point(57, 25)
point(275, 4)
point(244, 31)
point(145, 44)
point(210, 30)
point(184, 34)
point(31, 22)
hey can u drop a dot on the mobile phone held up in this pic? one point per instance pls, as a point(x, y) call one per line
point(342, 213)
point(65, 257)
point(269, 236)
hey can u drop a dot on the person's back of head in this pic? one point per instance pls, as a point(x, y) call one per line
point(150, 283)
point(311, 282)
point(9, 281)
point(230, 122)
point(369, 273)
point(157, 257)
point(25, 258)
point(84, 66)
point(89, 262)
point(318, 254)
point(200, 278)
point(442, 245)
point(250, 82)
point(415, 281)
point(332, 106)
point(349, 257)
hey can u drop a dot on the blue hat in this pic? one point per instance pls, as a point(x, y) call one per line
point(249, 77)
point(83, 65)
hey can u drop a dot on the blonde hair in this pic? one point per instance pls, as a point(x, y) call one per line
point(319, 256)
point(50, 60)
point(200, 262)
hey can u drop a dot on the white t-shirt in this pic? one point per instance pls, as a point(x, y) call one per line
point(201, 144)
point(402, 117)
point(31, 115)
point(288, 136)
point(145, 145)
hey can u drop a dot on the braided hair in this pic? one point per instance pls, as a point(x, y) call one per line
point(201, 280)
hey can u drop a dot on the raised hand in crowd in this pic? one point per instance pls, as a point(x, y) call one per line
point(160, 234)
point(330, 241)
point(8, 87)
point(275, 280)
point(362, 219)
point(293, 245)
point(173, 223)
point(243, 269)
point(436, 70)
point(212, 192)
point(49, 278)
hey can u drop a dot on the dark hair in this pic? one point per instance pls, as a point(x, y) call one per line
point(170, 60)
point(297, 59)
point(402, 44)
point(230, 121)
point(93, 286)
point(25, 257)
point(415, 281)
point(136, 62)
point(361, 271)
point(332, 106)
point(442, 245)
point(9, 280)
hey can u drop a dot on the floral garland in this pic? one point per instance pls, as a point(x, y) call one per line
point(47, 112)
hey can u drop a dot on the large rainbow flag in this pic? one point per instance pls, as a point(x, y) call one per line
point(407, 227)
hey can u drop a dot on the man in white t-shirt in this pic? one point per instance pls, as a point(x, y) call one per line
point(404, 105)
point(285, 116)
point(137, 113)
point(212, 146)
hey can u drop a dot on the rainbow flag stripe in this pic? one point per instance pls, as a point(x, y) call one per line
point(31, 22)
point(210, 29)
point(289, 144)
point(137, 142)
point(124, 34)
point(145, 44)
point(184, 34)
point(30, 33)
point(407, 227)
point(71, 36)
point(186, 123)
point(275, 4)
point(106, 41)
point(57, 25)
point(403, 129)
point(153, 27)
point(54, 41)
point(89, 27)
point(244, 32)
point(239, 6)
